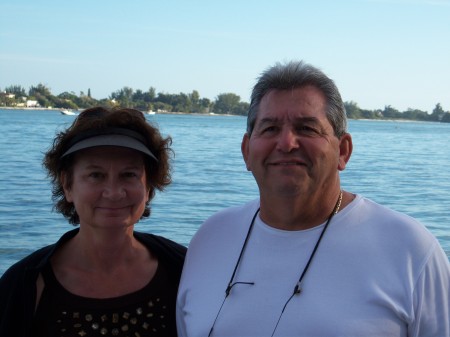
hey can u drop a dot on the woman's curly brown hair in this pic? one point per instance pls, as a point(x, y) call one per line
point(98, 118)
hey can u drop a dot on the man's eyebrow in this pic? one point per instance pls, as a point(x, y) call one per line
point(314, 120)
point(269, 120)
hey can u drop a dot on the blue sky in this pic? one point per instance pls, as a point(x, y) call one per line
point(379, 52)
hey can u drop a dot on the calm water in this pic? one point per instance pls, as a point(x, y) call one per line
point(403, 165)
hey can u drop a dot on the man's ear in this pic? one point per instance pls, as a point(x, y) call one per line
point(345, 151)
point(245, 149)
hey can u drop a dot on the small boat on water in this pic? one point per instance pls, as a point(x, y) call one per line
point(68, 112)
point(150, 112)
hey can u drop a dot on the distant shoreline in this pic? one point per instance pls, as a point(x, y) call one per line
point(215, 114)
point(26, 108)
point(157, 113)
point(228, 115)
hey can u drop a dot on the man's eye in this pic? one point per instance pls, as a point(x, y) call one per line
point(269, 129)
point(308, 129)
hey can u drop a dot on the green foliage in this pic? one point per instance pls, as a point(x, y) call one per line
point(16, 90)
point(438, 113)
point(416, 114)
point(225, 103)
point(40, 90)
point(371, 114)
point(446, 118)
point(391, 113)
point(352, 110)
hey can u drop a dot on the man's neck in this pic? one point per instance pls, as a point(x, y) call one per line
point(298, 213)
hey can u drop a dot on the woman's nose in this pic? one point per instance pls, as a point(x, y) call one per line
point(114, 190)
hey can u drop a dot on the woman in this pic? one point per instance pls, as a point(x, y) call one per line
point(103, 278)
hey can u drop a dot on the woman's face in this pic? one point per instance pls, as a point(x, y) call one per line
point(109, 187)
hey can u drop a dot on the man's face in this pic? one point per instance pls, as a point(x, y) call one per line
point(292, 149)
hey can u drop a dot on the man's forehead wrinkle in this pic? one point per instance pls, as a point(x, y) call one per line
point(277, 119)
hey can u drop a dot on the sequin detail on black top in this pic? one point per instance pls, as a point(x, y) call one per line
point(140, 322)
point(147, 312)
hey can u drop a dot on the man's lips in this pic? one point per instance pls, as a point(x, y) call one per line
point(287, 162)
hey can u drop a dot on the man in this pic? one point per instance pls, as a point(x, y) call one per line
point(307, 258)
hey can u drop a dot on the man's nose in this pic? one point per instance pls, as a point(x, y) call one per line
point(288, 140)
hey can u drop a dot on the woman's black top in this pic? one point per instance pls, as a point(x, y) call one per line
point(149, 311)
point(18, 292)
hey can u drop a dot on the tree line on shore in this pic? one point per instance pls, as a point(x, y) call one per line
point(225, 103)
point(150, 100)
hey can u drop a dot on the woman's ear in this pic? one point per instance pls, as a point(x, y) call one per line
point(64, 181)
point(345, 151)
point(149, 192)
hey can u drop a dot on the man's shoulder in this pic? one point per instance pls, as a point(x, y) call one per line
point(232, 219)
point(392, 225)
point(385, 213)
point(235, 212)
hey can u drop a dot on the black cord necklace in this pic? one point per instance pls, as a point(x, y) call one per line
point(297, 288)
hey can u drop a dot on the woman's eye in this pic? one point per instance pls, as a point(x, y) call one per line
point(129, 174)
point(96, 175)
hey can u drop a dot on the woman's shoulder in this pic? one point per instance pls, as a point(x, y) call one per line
point(167, 251)
point(35, 261)
point(161, 245)
point(24, 268)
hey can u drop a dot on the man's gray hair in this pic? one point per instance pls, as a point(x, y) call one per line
point(296, 74)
